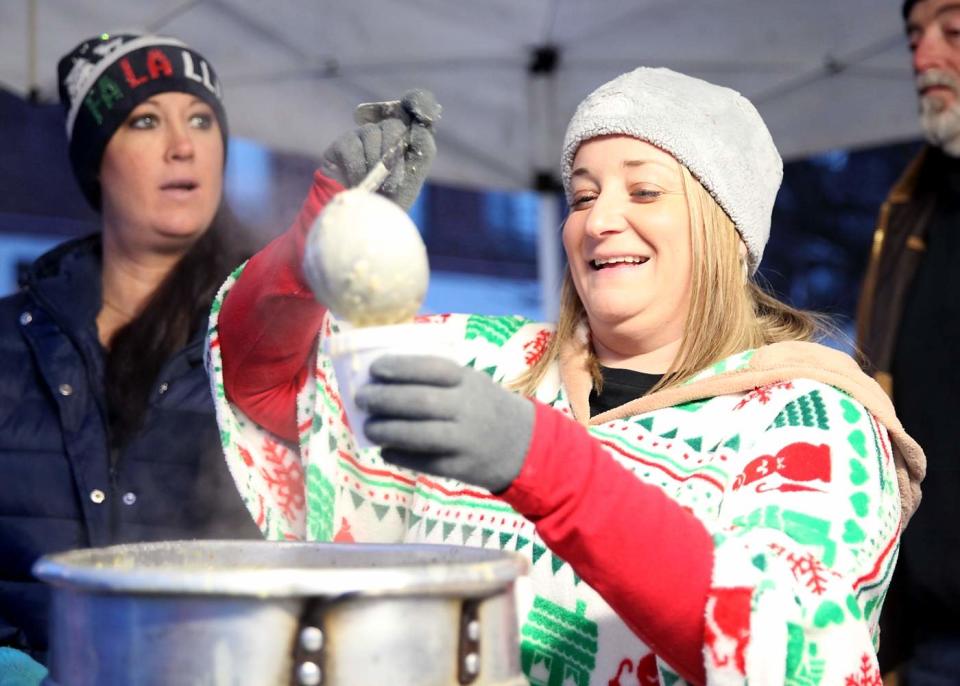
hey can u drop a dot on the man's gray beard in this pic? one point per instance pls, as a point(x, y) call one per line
point(941, 126)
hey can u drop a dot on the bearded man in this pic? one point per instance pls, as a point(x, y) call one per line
point(909, 329)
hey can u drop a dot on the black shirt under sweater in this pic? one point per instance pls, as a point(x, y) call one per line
point(926, 382)
point(620, 386)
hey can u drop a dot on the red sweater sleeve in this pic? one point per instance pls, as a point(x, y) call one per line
point(647, 556)
point(269, 322)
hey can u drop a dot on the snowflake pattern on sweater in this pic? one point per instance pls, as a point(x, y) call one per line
point(795, 482)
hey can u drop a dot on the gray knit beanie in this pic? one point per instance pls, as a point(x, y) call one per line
point(713, 131)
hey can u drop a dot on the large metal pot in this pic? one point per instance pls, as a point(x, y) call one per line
point(231, 613)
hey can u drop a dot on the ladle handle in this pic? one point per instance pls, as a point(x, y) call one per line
point(381, 170)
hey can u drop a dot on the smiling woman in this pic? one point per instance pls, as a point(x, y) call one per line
point(696, 305)
point(628, 244)
point(107, 431)
point(702, 493)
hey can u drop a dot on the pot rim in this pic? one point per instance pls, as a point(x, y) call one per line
point(321, 569)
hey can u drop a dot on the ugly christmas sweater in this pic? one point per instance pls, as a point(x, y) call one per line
point(766, 474)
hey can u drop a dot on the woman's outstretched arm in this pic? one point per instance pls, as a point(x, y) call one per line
point(269, 322)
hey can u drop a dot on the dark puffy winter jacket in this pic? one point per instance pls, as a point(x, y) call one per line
point(57, 487)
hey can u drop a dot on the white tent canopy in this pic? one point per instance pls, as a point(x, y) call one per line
point(823, 73)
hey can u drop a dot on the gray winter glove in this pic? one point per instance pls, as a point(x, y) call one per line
point(352, 155)
point(432, 415)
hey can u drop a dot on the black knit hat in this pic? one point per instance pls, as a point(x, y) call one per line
point(104, 78)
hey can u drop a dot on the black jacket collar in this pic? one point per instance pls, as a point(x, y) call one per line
point(66, 281)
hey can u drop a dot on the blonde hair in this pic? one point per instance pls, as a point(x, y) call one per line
point(729, 312)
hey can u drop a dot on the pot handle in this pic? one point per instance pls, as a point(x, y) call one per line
point(308, 646)
point(468, 652)
point(310, 640)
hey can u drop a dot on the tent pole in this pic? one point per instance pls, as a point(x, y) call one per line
point(548, 255)
point(541, 107)
point(33, 89)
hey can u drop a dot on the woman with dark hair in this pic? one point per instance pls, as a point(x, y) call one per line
point(107, 430)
